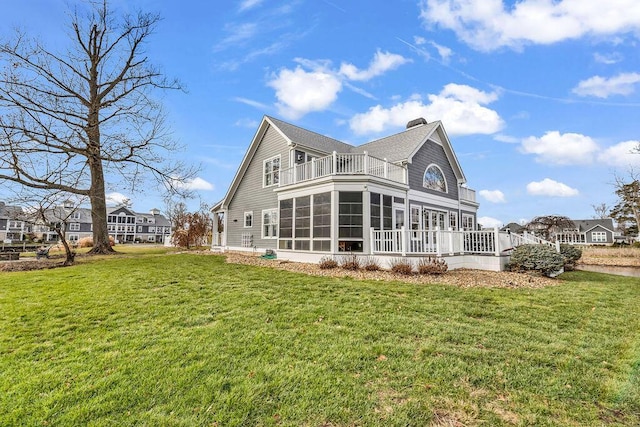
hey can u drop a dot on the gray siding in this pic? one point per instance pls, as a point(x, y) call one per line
point(589, 238)
point(429, 153)
point(250, 196)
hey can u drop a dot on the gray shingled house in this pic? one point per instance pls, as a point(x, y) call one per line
point(305, 196)
point(589, 232)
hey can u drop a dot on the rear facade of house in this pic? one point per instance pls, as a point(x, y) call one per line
point(305, 195)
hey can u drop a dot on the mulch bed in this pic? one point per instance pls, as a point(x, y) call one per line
point(464, 278)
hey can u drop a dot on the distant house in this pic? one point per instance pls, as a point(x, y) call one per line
point(305, 195)
point(123, 224)
point(589, 232)
point(13, 223)
point(513, 227)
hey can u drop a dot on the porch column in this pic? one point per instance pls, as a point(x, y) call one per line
point(403, 241)
point(225, 228)
point(335, 209)
point(438, 235)
point(335, 164)
point(496, 240)
point(451, 241)
point(367, 242)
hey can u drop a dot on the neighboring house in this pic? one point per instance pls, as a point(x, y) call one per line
point(589, 232)
point(514, 227)
point(306, 195)
point(13, 223)
point(123, 224)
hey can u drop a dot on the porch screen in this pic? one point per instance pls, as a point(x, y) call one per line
point(350, 221)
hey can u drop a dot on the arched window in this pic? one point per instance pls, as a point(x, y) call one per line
point(434, 179)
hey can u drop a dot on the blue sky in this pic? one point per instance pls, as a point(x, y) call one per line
point(541, 99)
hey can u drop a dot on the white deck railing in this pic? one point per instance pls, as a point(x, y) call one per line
point(435, 242)
point(467, 194)
point(343, 164)
point(450, 242)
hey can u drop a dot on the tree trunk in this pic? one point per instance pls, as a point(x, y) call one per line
point(70, 255)
point(97, 195)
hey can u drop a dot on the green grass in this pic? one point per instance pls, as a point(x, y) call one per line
point(189, 340)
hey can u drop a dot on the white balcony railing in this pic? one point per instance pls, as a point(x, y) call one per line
point(435, 242)
point(467, 194)
point(343, 164)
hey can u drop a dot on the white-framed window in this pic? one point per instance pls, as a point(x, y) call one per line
point(467, 222)
point(73, 237)
point(75, 215)
point(151, 238)
point(271, 171)
point(248, 219)
point(434, 179)
point(270, 224)
point(74, 226)
point(598, 237)
point(139, 229)
point(152, 229)
point(453, 221)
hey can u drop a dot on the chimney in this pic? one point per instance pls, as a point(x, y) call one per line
point(154, 211)
point(416, 122)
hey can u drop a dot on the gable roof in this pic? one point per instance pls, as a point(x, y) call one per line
point(585, 225)
point(299, 136)
point(400, 147)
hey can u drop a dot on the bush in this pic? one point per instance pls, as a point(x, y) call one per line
point(401, 266)
point(571, 255)
point(636, 244)
point(327, 263)
point(350, 262)
point(431, 265)
point(371, 264)
point(541, 258)
point(87, 242)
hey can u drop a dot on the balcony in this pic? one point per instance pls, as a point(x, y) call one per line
point(467, 194)
point(342, 164)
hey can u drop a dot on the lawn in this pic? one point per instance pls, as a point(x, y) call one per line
point(187, 340)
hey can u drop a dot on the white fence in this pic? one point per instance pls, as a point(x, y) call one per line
point(343, 164)
point(435, 242)
point(450, 242)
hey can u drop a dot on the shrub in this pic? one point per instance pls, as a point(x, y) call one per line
point(87, 242)
point(371, 264)
point(327, 263)
point(350, 262)
point(571, 255)
point(401, 266)
point(431, 265)
point(541, 258)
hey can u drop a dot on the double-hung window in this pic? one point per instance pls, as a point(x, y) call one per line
point(270, 224)
point(248, 219)
point(271, 171)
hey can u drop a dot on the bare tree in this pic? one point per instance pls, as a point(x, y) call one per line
point(548, 225)
point(53, 211)
point(601, 211)
point(190, 228)
point(69, 119)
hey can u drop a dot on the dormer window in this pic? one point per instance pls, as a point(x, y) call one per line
point(434, 179)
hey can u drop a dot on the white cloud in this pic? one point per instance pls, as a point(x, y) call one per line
point(493, 196)
point(300, 92)
point(459, 107)
point(444, 52)
point(381, 63)
point(489, 222)
point(506, 138)
point(115, 198)
point(249, 4)
point(623, 154)
point(238, 34)
point(608, 59)
point(490, 24)
point(601, 87)
point(314, 86)
point(251, 102)
point(549, 187)
point(561, 149)
point(194, 184)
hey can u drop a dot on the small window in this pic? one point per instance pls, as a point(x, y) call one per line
point(598, 237)
point(74, 226)
point(467, 222)
point(434, 179)
point(75, 215)
point(248, 219)
point(271, 171)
